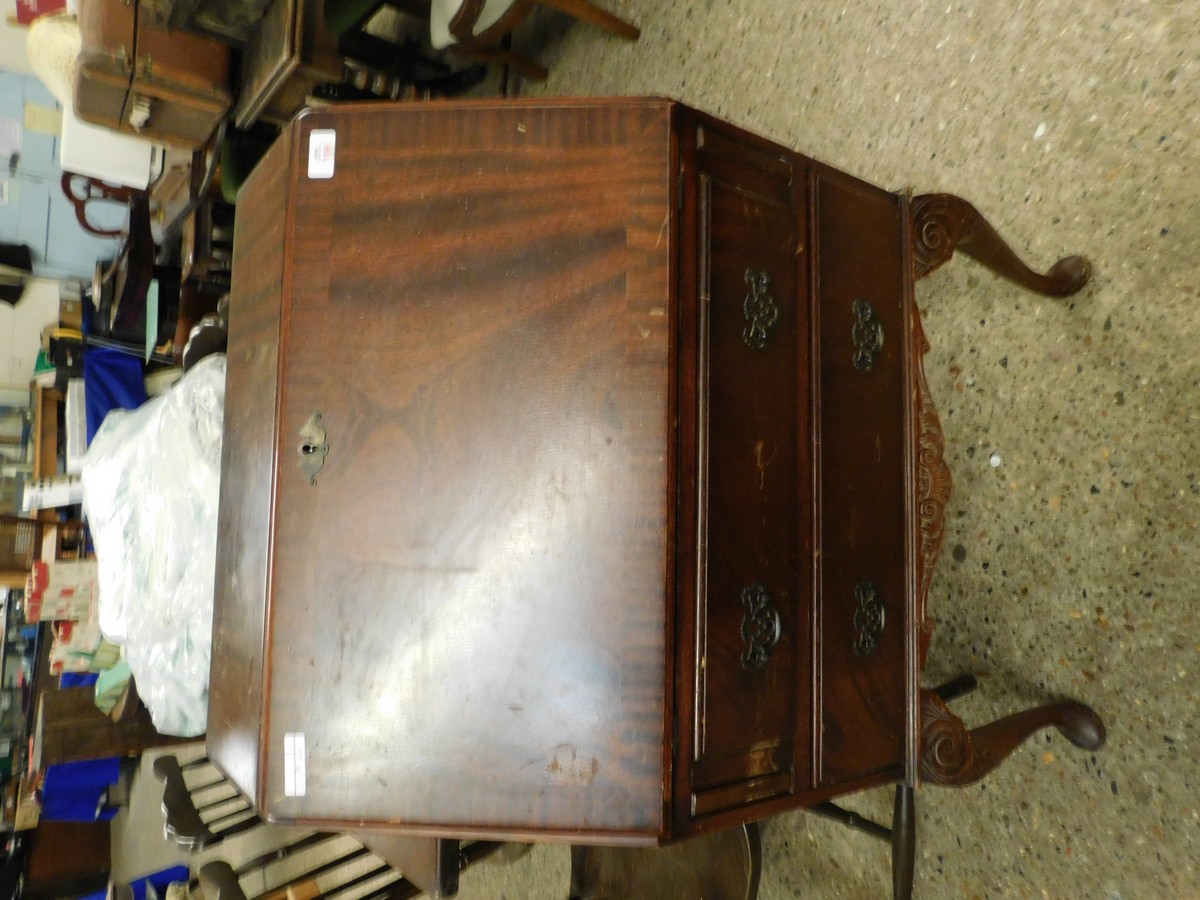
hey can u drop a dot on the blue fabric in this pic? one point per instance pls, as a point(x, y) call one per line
point(77, 679)
point(71, 792)
point(113, 380)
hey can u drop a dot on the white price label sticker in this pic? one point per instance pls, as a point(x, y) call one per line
point(293, 764)
point(322, 147)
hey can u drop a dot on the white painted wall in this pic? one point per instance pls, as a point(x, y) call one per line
point(21, 332)
point(12, 46)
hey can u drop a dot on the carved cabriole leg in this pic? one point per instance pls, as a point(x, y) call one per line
point(952, 755)
point(943, 223)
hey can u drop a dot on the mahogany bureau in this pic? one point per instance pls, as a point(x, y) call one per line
point(580, 481)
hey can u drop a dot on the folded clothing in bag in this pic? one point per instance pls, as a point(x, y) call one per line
point(151, 481)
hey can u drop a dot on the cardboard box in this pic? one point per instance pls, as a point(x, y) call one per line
point(63, 590)
point(70, 313)
point(75, 645)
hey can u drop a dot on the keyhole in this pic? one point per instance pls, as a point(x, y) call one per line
point(308, 449)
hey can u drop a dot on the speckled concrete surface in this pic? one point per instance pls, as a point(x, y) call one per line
point(1069, 565)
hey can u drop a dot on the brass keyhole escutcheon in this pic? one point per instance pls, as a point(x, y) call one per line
point(313, 449)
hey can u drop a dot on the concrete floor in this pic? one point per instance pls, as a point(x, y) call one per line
point(1069, 564)
point(1072, 530)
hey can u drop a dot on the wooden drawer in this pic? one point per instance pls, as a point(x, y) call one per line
point(101, 89)
point(177, 116)
point(859, 371)
point(174, 85)
point(750, 329)
point(183, 80)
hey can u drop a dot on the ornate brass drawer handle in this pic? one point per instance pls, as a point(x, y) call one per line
point(760, 309)
point(313, 449)
point(761, 627)
point(869, 618)
point(867, 335)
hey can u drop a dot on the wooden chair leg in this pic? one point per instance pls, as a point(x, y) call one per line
point(943, 223)
point(218, 881)
point(952, 755)
point(852, 820)
point(182, 822)
point(956, 687)
point(904, 842)
point(901, 837)
point(724, 864)
point(522, 65)
point(593, 15)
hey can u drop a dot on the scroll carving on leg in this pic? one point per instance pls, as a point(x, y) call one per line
point(943, 223)
point(952, 755)
point(934, 486)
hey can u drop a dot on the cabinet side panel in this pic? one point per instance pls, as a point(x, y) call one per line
point(237, 683)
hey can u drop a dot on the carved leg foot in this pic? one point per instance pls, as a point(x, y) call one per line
point(943, 223)
point(904, 843)
point(952, 755)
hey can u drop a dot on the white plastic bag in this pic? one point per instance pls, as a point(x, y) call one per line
point(151, 481)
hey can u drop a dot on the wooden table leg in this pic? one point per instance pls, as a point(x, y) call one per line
point(429, 863)
point(904, 842)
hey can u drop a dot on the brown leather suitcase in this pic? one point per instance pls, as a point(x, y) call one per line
point(139, 79)
point(231, 22)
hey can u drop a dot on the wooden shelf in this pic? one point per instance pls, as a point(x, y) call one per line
point(45, 435)
point(47, 402)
